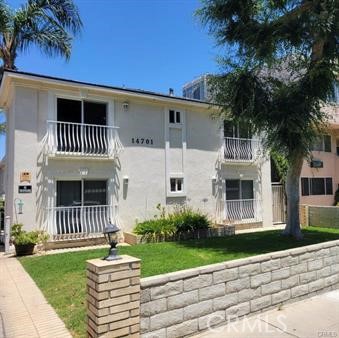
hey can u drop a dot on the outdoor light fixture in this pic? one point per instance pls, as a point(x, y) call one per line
point(111, 235)
point(19, 204)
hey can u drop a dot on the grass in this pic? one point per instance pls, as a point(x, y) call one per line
point(61, 277)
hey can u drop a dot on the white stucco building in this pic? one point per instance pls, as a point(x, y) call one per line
point(79, 154)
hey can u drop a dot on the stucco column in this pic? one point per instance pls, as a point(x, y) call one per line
point(113, 297)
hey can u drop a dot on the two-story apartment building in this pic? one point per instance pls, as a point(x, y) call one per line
point(79, 155)
point(320, 173)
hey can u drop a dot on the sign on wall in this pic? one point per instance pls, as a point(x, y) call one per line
point(25, 189)
point(25, 176)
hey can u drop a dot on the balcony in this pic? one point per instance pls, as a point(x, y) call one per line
point(78, 221)
point(68, 139)
point(243, 211)
point(240, 150)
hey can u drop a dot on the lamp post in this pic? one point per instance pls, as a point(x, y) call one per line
point(111, 235)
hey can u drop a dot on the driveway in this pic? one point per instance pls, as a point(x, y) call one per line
point(312, 318)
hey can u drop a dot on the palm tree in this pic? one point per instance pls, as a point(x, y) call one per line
point(48, 24)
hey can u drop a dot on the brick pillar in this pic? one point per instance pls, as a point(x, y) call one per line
point(113, 297)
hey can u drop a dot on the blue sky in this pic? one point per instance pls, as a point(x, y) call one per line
point(145, 44)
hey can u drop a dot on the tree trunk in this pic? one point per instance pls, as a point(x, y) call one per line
point(293, 195)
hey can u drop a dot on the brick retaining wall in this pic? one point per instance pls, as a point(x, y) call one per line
point(182, 303)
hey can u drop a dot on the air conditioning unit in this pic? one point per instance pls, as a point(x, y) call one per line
point(316, 164)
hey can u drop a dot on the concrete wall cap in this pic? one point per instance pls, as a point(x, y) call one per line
point(101, 263)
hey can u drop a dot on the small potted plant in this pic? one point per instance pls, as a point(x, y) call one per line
point(25, 241)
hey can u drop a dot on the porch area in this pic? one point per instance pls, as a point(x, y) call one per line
point(82, 209)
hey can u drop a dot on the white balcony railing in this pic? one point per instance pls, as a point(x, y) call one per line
point(79, 139)
point(78, 222)
point(240, 149)
point(243, 211)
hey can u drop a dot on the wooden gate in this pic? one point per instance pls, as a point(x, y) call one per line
point(278, 203)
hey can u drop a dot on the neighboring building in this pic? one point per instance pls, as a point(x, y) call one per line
point(81, 154)
point(197, 89)
point(320, 174)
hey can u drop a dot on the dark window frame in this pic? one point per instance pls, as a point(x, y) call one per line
point(308, 186)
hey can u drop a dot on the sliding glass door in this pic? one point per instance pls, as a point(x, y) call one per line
point(239, 199)
point(81, 206)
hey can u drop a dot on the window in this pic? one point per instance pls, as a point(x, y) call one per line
point(323, 144)
point(177, 184)
point(316, 186)
point(334, 96)
point(85, 192)
point(74, 199)
point(81, 112)
point(174, 116)
point(305, 189)
point(237, 130)
point(239, 189)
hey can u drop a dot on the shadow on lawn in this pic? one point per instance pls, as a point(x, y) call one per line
point(259, 242)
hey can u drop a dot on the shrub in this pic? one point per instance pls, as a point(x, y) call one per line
point(336, 197)
point(155, 229)
point(21, 237)
point(185, 219)
point(182, 220)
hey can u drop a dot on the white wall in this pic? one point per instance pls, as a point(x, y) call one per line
point(193, 153)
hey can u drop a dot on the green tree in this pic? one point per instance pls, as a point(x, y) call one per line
point(48, 24)
point(280, 65)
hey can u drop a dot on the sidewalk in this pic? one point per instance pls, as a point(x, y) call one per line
point(24, 311)
point(312, 318)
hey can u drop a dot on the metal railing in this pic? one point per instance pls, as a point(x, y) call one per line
point(243, 211)
point(78, 222)
point(240, 149)
point(80, 139)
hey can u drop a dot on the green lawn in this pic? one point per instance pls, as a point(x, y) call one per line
point(61, 277)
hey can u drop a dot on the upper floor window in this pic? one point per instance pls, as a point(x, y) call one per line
point(237, 130)
point(77, 111)
point(323, 144)
point(175, 116)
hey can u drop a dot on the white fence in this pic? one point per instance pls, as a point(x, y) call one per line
point(67, 138)
point(240, 149)
point(243, 211)
point(78, 222)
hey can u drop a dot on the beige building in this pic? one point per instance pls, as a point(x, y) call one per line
point(320, 174)
point(79, 155)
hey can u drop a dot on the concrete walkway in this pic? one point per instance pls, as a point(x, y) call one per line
point(24, 311)
point(312, 318)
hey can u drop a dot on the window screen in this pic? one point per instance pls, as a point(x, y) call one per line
point(305, 189)
point(329, 186)
point(171, 116)
point(95, 193)
point(228, 129)
point(247, 189)
point(317, 186)
point(327, 143)
point(232, 189)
